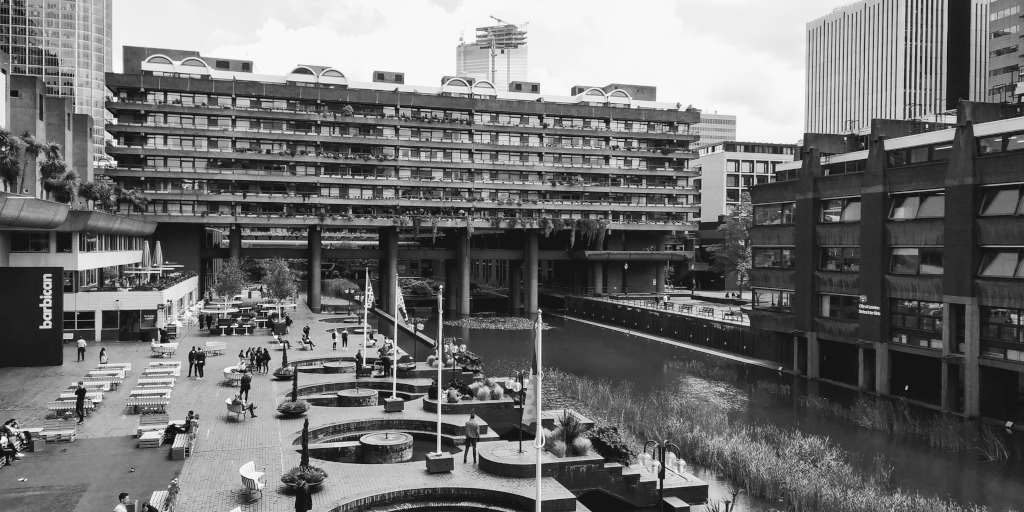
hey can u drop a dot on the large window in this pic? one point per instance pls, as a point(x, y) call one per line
point(917, 323)
point(838, 307)
point(840, 210)
point(920, 154)
point(1000, 143)
point(774, 214)
point(1006, 263)
point(1002, 201)
point(916, 260)
point(773, 258)
point(30, 242)
point(851, 167)
point(1002, 324)
point(79, 320)
point(918, 206)
point(840, 259)
point(773, 300)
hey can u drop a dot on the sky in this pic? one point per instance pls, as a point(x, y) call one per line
point(741, 57)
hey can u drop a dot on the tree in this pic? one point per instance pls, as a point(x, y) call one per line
point(734, 254)
point(278, 279)
point(229, 280)
point(11, 148)
point(100, 193)
point(254, 270)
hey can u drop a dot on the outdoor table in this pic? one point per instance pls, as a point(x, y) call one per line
point(233, 328)
point(113, 382)
point(91, 386)
point(222, 329)
point(246, 328)
point(260, 322)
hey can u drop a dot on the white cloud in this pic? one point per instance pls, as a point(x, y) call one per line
point(743, 57)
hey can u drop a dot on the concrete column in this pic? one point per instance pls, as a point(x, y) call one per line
point(5, 248)
point(464, 264)
point(972, 372)
point(315, 263)
point(861, 369)
point(531, 256)
point(813, 356)
point(796, 355)
point(659, 278)
point(597, 277)
point(235, 243)
point(944, 393)
point(439, 269)
point(882, 368)
point(390, 268)
point(451, 286)
point(515, 288)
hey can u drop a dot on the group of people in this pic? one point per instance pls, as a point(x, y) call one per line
point(196, 361)
point(13, 440)
point(255, 359)
point(386, 355)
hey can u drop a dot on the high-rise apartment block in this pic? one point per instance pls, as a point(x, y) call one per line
point(68, 44)
point(498, 55)
point(890, 59)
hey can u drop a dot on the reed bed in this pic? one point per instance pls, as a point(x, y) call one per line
point(801, 472)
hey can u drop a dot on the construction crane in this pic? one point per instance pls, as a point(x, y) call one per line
point(507, 36)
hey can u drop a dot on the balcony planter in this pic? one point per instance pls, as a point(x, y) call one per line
point(29, 212)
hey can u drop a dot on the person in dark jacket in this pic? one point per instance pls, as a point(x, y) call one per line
point(359, 362)
point(191, 360)
point(303, 498)
point(200, 362)
point(245, 384)
point(80, 402)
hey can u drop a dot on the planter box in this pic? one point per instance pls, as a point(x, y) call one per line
point(394, 405)
point(442, 462)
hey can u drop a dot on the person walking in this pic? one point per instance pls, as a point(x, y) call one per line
point(245, 384)
point(359, 362)
point(81, 349)
point(122, 502)
point(303, 498)
point(191, 360)
point(334, 339)
point(472, 436)
point(344, 338)
point(80, 402)
point(287, 323)
point(103, 355)
point(200, 362)
point(266, 360)
point(202, 321)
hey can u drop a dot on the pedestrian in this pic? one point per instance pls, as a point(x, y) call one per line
point(103, 355)
point(305, 331)
point(359, 362)
point(122, 502)
point(241, 359)
point(287, 323)
point(303, 499)
point(344, 338)
point(80, 402)
point(334, 339)
point(266, 360)
point(81, 349)
point(245, 384)
point(472, 436)
point(191, 360)
point(202, 321)
point(200, 362)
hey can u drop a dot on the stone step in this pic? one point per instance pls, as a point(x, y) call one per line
point(614, 468)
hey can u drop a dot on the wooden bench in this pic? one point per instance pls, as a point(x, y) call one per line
point(100, 386)
point(158, 500)
point(165, 364)
point(59, 430)
point(151, 439)
point(160, 382)
point(127, 367)
point(148, 403)
point(67, 407)
point(181, 447)
point(161, 372)
point(95, 396)
point(215, 348)
point(112, 382)
point(163, 349)
point(150, 422)
point(251, 479)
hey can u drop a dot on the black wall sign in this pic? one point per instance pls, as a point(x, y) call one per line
point(31, 316)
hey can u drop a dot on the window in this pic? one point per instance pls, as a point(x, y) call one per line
point(916, 260)
point(30, 242)
point(840, 210)
point(63, 242)
point(838, 307)
point(1000, 143)
point(920, 154)
point(916, 323)
point(773, 258)
point(840, 259)
point(773, 300)
point(836, 169)
point(1001, 201)
point(1001, 263)
point(1002, 324)
point(918, 206)
point(774, 214)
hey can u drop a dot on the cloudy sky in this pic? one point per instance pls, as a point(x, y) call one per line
point(742, 57)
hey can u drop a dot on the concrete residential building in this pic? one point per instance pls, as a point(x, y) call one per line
point(728, 169)
point(908, 243)
point(67, 43)
point(455, 174)
point(498, 55)
point(715, 129)
point(889, 59)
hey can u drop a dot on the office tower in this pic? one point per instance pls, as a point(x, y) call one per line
point(890, 59)
point(715, 129)
point(498, 55)
point(729, 169)
point(68, 44)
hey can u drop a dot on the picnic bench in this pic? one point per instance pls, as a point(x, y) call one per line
point(215, 348)
point(95, 396)
point(161, 372)
point(59, 430)
point(149, 391)
point(163, 349)
point(162, 382)
point(151, 439)
point(158, 500)
point(181, 447)
point(61, 408)
point(112, 372)
point(251, 479)
point(127, 367)
point(148, 402)
point(113, 382)
point(149, 422)
point(95, 386)
point(164, 364)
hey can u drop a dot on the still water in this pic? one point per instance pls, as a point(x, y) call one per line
point(648, 366)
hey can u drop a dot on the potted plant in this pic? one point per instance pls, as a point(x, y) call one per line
point(293, 408)
point(285, 371)
point(312, 475)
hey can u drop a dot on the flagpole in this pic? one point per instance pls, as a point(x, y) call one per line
point(539, 439)
point(440, 358)
point(366, 299)
point(394, 347)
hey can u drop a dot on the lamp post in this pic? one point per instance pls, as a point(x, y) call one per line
point(658, 452)
point(520, 396)
point(625, 267)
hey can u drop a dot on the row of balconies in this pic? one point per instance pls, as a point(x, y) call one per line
point(998, 231)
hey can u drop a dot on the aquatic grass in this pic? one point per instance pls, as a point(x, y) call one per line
point(805, 472)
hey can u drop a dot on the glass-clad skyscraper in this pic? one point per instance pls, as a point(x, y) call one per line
point(65, 42)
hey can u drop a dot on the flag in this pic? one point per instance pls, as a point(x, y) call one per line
point(369, 290)
point(401, 304)
point(530, 413)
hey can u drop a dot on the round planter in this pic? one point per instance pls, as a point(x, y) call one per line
point(284, 373)
point(386, 447)
point(357, 397)
point(339, 367)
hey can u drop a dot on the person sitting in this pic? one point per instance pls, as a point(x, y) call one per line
point(306, 340)
point(250, 407)
point(7, 448)
point(174, 429)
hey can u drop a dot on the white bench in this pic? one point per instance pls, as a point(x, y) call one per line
point(162, 382)
point(163, 349)
point(152, 422)
point(251, 479)
point(95, 396)
point(165, 364)
point(67, 407)
point(215, 348)
point(161, 372)
point(113, 373)
point(127, 367)
point(158, 500)
point(157, 403)
point(59, 430)
point(91, 385)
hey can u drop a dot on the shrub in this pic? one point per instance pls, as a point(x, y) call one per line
point(311, 474)
point(581, 446)
point(608, 442)
point(558, 448)
point(432, 361)
point(483, 393)
point(453, 396)
point(293, 409)
point(497, 392)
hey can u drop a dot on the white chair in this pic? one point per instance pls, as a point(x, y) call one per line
point(251, 479)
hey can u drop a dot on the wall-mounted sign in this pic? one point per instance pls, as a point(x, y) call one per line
point(868, 310)
point(32, 313)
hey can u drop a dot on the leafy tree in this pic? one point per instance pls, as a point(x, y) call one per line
point(11, 148)
point(100, 193)
point(278, 279)
point(229, 281)
point(734, 254)
point(254, 270)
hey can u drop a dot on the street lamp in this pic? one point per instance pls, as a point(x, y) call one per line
point(519, 388)
point(625, 267)
point(658, 454)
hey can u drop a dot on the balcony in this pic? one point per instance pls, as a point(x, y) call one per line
point(79, 221)
point(837, 282)
point(26, 212)
point(916, 233)
point(838, 330)
point(837, 234)
point(767, 278)
point(771, 235)
point(914, 287)
point(1007, 230)
point(1002, 293)
point(771, 320)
